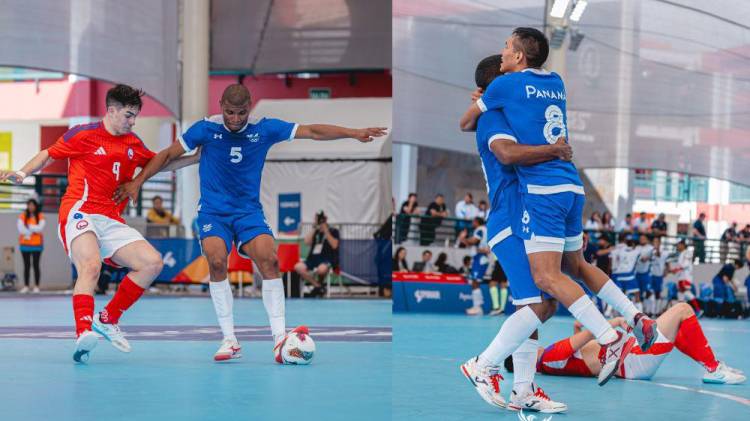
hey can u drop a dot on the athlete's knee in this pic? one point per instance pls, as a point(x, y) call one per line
point(322, 269)
point(685, 309)
point(89, 268)
point(152, 263)
point(300, 267)
point(218, 266)
point(268, 264)
point(544, 280)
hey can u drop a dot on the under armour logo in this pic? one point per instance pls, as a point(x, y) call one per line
point(525, 229)
point(217, 135)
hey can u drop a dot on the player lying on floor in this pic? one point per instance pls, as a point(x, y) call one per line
point(678, 327)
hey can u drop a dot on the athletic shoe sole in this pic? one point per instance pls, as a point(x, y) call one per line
point(84, 347)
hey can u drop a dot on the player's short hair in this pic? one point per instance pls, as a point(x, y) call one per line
point(533, 44)
point(487, 70)
point(236, 94)
point(124, 96)
point(479, 220)
point(508, 363)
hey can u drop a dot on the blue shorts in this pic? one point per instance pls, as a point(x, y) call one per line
point(240, 228)
point(656, 283)
point(511, 254)
point(479, 265)
point(552, 222)
point(644, 281)
point(626, 282)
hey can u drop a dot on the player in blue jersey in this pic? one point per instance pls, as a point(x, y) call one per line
point(498, 152)
point(533, 101)
point(232, 154)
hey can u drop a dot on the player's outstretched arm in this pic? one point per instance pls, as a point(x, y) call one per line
point(512, 153)
point(156, 164)
point(39, 161)
point(331, 132)
point(183, 161)
point(468, 121)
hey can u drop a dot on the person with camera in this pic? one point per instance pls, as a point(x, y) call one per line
point(323, 256)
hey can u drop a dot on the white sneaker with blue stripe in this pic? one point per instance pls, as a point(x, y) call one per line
point(724, 375)
point(84, 344)
point(112, 333)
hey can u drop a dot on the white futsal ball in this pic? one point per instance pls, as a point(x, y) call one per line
point(298, 347)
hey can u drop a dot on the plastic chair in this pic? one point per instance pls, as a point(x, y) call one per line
point(288, 255)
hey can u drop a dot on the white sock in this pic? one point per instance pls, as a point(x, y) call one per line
point(619, 301)
point(273, 301)
point(524, 366)
point(513, 332)
point(221, 295)
point(639, 306)
point(585, 312)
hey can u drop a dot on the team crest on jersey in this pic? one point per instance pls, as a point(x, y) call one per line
point(82, 224)
point(207, 227)
point(130, 153)
point(78, 216)
point(254, 137)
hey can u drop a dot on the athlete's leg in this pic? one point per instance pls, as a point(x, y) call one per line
point(306, 274)
point(263, 251)
point(84, 251)
point(217, 253)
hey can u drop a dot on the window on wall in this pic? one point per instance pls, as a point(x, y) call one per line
point(669, 186)
point(739, 193)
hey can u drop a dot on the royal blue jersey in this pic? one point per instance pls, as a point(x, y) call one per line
point(533, 101)
point(502, 182)
point(231, 163)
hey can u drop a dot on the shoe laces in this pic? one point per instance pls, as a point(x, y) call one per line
point(540, 394)
point(495, 378)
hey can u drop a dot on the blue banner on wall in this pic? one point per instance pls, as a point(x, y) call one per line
point(290, 212)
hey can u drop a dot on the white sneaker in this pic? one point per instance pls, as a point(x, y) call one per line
point(536, 400)
point(486, 381)
point(112, 333)
point(84, 344)
point(724, 375)
point(35, 290)
point(496, 312)
point(24, 290)
point(612, 354)
point(228, 350)
point(474, 311)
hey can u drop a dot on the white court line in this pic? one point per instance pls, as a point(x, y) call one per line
point(738, 399)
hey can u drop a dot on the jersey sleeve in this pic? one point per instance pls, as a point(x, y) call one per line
point(498, 128)
point(69, 145)
point(142, 155)
point(279, 130)
point(497, 94)
point(194, 136)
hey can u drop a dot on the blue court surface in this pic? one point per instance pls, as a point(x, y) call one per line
point(171, 375)
point(427, 383)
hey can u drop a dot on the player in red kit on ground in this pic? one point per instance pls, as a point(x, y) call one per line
point(101, 156)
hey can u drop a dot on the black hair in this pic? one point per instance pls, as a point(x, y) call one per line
point(153, 199)
point(508, 363)
point(124, 96)
point(533, 44)
point(479, 220)
point(425, 252)
point(467, 259)
point(36, 212)
point(487, 70)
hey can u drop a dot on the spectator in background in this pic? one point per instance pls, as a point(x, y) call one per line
point(744, 234)
point(594, 223)
point(641, 225)
point(589, 248)
point(159, 215)
point(603, 260)
point(442, 266)
point(699, 238)
point(482, 209)
point(659, 226)
point(399, 261)
point(31, 242)
point(426, 264)
point(433, 217)
point(658, 270)
point(477, 300)
point(323, 256)
point(626, 225)
point(730, 235)
point(725, 290)
point(466, 267)
point(403, 220)
point(466, 210)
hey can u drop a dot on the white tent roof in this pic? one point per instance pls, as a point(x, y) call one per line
point(348, 112)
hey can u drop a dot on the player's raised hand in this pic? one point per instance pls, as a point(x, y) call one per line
point(564, 150)
point(476, 94)
point(11, 176)
point(369, 134)
point(126, 191)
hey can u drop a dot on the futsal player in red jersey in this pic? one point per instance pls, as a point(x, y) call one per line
point(101, 156)
point(678, 327)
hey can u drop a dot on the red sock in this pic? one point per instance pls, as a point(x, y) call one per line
point(696, 306)
point(127, 294)
point(692, 342)
point(83, 310)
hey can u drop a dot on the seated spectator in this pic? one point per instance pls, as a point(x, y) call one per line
point(466, 268)
point(729, 236)
point(323, 256)
point(159, 215)
point(442, 266)
point(659, 226)
point(403, 220)
point(594, 223)
point(725, 290)
point(589, 248)
point(641, 225)
point(399, 261)
point(744, 235)
point(432, 219)
point(483, 210)
point(626, 225)
point(465, 210)
point(425, 265)
point(603, 260)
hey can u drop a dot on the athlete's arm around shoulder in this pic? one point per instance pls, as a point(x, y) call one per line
point(510, 152)
point(160, 161)
point(331, 132)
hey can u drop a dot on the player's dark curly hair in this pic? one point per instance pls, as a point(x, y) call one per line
point(533, 44)
point(487, 70)
point(508, 363)
point(124, 96)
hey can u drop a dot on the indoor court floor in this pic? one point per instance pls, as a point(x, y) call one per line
point(429, 386)
point(170, 373)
